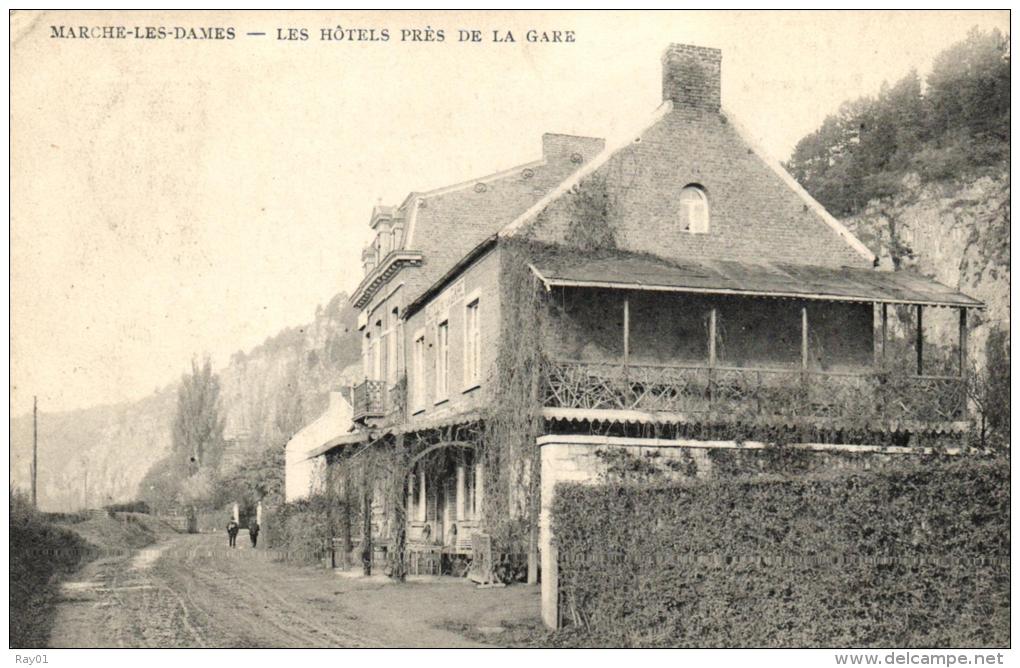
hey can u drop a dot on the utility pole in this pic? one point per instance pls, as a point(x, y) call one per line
point(85, 484)
point(35, 452)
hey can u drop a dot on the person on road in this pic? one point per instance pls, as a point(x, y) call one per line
point(253, 532)
point(232, 528)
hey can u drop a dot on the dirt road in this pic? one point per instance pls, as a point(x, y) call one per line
point(194, 591)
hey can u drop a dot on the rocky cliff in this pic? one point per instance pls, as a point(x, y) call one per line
point(955, 231)
point(267, 393)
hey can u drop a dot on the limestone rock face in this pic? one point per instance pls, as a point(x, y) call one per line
point(266, 392)
point(956, 232)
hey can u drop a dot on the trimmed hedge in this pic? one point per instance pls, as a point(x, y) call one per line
point(897, 558)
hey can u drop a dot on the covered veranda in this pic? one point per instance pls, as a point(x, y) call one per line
point(728, 340)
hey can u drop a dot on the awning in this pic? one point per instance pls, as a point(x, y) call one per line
point(643, 272)
point(413, 425)
point(352, 438)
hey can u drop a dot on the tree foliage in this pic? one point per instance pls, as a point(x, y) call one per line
point(188, 475)
point(258, 478)
point(159, 488)
point(990, 392)
point(197, 430)
point(956, 123)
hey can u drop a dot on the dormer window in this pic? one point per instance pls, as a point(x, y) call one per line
point(398, 235)
point(369, 258)
point(694, 210)
point(385, 242)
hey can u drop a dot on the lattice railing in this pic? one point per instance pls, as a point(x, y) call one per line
point(369, 399)
point(925, 398)
point(745, 393)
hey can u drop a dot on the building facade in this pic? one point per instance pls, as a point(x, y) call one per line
point(675, 293)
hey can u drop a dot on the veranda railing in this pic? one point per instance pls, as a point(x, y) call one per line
point(739, 392)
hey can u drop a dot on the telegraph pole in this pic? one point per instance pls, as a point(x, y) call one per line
point(35, 452)
point(85, 484)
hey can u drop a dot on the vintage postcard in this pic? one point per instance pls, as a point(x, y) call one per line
point(537, 329)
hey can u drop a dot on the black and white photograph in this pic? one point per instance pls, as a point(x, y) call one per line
point(452, 329)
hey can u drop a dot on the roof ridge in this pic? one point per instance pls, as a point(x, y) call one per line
point(511, 228)
point(510, 171)
point(780, 171)
point(414, 198)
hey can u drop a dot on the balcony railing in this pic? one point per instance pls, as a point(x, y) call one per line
point(873, 400)
point(369, 400)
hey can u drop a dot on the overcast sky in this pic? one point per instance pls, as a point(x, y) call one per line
point(174, 197)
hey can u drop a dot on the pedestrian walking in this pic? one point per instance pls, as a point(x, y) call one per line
point(232, 529)
point(253, 533)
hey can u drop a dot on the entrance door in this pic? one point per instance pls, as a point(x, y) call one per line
point(449, 510)
point(433, 513)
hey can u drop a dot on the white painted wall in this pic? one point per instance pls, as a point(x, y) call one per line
point(301, 474)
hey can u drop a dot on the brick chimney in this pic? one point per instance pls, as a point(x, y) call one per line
point(691, 76)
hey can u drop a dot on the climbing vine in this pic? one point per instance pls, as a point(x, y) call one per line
point(513, 421)
point(592, 215)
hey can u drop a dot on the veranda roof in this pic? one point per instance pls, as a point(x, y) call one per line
point(645, 272)
point(352, 438)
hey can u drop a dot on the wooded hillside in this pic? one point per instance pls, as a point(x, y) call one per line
point(956, 121)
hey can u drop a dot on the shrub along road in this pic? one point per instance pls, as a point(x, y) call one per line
point(194, 591)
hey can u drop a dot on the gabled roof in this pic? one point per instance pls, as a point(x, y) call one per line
point(710, 146)
point(619, 270)
point(813, 204)
point(528, 216)
point(445, 224)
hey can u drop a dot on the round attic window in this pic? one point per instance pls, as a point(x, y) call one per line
point(694, 209)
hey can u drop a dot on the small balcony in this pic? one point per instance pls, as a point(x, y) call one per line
point(867, 400)
point(369, 400)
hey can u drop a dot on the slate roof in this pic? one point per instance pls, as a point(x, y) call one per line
point(449, 222)
point(622, 270)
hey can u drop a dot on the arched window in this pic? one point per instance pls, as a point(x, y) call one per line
point(694, 210)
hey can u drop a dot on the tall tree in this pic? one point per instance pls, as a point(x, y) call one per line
point(968, 88)
point(197, 435)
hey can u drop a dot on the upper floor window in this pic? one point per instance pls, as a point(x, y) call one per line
point(418, 371)
point(376, 345)
point(472, 345)
point(442, 361)
point(366, 354)
point(392, 344)
point(694, 210)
